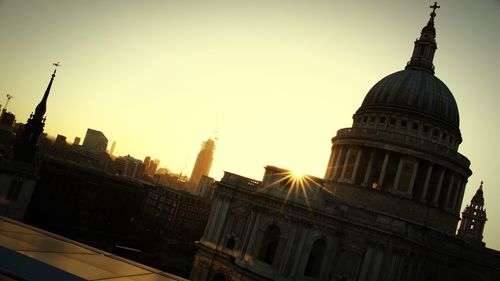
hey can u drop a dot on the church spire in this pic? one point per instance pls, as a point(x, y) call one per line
point(26, 147)
point(425, 46)
point(473, 219)
point(42, 106)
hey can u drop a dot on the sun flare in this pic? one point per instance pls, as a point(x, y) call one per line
point(297, 175)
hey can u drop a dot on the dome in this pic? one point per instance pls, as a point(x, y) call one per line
point(414, 91)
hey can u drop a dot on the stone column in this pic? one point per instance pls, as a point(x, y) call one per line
point(426, 183)
point(246, 234)
point(458, 185)
point(288, 249)
point(331, 165)
point(337, 162)
point(356, 165)
point(460, 197)
point(212, 219)
point(251, 239)
point(394, 262)
point(369, 168)
point(299, 256)
point(366, 265)
point(374, 272)
point(413, 177)
point(448, 192)
point(382, 171)
point(346, 160)
point(398, 174)
point(438, 187)
point(221, 222)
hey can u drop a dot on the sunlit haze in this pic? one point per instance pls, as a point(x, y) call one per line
point(273, 80)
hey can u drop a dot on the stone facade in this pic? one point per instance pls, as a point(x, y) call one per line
point(269, 231)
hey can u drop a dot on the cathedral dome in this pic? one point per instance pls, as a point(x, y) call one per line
point(413, 91)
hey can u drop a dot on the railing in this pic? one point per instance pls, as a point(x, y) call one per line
point(237, 180)
point(419, 143)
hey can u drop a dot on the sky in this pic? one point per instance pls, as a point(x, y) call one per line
point(273, 80)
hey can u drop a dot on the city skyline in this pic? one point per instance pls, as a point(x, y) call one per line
point(276, 80)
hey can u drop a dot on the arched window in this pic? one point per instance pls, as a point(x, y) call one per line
point(230, 243)
point(219, 277)
point(315, 259)
point(269, 244)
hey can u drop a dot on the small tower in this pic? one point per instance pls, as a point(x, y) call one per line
point(425, 46)
point(26, 146)
point(473, 219)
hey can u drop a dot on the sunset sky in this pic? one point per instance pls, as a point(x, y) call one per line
point(274, 78)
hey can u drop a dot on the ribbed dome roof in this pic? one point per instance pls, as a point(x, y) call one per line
point(415, 91)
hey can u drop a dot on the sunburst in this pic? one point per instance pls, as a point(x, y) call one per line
point(297, 184)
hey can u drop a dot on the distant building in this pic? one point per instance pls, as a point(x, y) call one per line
point(169, 180)
point(206, 187)
point(162, 171)
point(128, 166)
point(203, 163)
point(152, 168)
point(112, 149)
point(105, 210)
point(60, 147)
point(146, 162)
point(8, 119)
point(95, 140)
point(179, 215)
point(6, 132)
point(76, 142)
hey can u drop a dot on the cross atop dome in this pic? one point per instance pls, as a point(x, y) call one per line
point(434, 7)
point(433, 13)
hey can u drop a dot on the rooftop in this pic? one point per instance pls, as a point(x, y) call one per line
point(29, 253)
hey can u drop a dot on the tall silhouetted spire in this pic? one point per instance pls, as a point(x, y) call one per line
point(473, 219)
point(26, 146)
point(425, 46)
point(42, 106)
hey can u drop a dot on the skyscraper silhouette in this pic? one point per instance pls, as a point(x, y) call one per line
point(95, 140)
point(203, 162)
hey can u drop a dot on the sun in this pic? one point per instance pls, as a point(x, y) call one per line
point(297, 175)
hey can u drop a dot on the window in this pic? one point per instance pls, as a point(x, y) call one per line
point(393, 121)
point(315, 260)
point(230, 243)
point(372, 119)
point(404, 123)
point(269, 244)
point(219, 277)
point(426, 129)
point(382, 119)
point(415, 126)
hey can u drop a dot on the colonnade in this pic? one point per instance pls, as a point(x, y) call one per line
point(401, 174)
